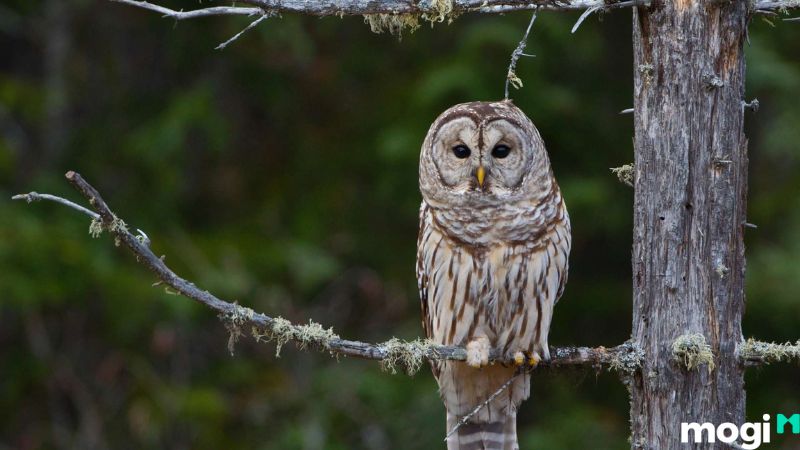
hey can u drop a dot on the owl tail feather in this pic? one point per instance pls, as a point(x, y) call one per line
point(499, 435)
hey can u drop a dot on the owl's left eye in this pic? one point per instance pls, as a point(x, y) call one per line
point(501, 151)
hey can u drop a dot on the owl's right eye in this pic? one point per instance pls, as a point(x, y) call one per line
point(461, 151)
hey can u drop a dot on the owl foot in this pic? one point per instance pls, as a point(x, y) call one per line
point(527, 359)
point(478, 352)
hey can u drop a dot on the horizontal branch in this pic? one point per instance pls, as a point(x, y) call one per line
point(204, 12)
point(434, 10)
point(242, 320)
point(762, 6)
point(754, 353)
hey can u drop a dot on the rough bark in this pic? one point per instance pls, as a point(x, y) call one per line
point(689, 214)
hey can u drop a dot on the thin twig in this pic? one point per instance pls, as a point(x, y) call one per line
point(184, 15)
point(511, 76)
point(627, 111)
point(583, 17)
point(479, 407)
point(237, 35)
point(35, 197)
point(622, 357)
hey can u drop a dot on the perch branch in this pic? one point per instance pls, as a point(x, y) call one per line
point(393, 353)
point(625, 358)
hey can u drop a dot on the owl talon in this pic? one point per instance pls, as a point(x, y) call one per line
point(526, 359)
point(534, 360)
point(478, 352)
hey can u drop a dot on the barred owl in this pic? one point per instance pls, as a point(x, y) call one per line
point(492, 254)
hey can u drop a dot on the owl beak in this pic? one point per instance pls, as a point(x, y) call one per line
point(480, 174)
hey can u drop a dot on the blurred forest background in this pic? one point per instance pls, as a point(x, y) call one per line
point(282, 173)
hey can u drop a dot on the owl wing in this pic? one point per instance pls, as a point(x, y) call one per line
point(563, 244)
point(422, 276)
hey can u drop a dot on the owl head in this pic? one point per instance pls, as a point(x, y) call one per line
point(482, 153)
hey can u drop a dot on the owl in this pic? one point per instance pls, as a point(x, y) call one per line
point(492, 255)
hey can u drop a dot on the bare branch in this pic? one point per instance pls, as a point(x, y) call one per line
point(183, 15)
point(392, 7)
point(573, 5)
point(239, 34)
point(393, 353)
point(583, 17)
point(625, 358)
point(417, 7)
point(35, 197)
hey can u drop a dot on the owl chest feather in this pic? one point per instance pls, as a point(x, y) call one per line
point(510, 224)
point(499, 281)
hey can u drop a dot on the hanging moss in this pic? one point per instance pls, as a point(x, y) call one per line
point(624, 173)
point(394, 24)
point(407, 355)
point(281, 331)
point(436, 11)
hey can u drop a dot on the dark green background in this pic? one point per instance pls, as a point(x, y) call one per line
point(282, 173)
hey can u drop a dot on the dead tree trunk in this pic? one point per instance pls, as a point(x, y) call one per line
point(689, 213)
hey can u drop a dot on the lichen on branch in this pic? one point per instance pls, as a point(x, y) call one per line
point(756, 351)
point(282, 331)
point(407, 355)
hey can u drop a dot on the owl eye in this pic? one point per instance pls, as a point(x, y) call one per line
point(461, 151)
point(501, 151)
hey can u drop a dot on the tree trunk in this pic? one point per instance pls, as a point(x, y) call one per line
point(689, 214)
